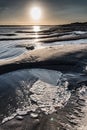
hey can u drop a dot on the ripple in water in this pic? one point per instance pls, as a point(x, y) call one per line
point(8, 50)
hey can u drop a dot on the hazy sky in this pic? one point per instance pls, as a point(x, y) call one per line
point(53, 11)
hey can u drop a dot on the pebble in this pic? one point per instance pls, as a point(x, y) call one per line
point(19, 117)
point(52, 119)
point(21, 113)
point(34, 115)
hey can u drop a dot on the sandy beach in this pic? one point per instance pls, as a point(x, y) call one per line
point(43, 86)
point(62, 58)
point(68, 59)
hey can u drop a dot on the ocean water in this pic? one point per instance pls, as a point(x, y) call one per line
point(39, 36)
point(10, 38)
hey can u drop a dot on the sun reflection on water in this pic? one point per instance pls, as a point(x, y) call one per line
point(36, 28)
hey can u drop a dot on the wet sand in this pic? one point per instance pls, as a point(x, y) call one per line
point(61, 57)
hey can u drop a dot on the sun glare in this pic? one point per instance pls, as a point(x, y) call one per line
point(35, 13)
point(36, 28)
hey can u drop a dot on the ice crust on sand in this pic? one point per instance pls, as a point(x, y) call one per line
point(49, 97)
point(44, 97)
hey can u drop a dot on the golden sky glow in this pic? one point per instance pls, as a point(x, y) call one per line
point(42, 12)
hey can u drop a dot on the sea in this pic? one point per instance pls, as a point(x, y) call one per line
point(39, 36)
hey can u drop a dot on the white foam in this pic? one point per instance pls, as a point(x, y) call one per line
point(80, 32)
point(80, 41)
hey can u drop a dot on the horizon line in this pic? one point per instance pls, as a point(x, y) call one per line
point(42, 24)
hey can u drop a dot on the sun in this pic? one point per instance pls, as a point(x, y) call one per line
point(35, 13)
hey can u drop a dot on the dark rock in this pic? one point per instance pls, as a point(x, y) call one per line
point(30, 47)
